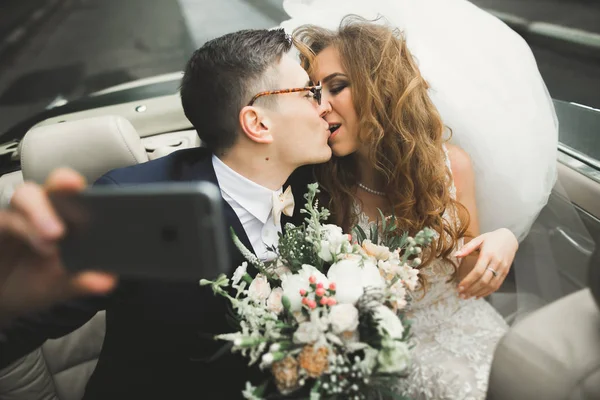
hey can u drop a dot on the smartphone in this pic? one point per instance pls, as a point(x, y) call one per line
point(167, 231)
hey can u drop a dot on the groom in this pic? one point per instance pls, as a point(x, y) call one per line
point(159, 336)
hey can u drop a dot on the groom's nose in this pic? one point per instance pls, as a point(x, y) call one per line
point(324, 108)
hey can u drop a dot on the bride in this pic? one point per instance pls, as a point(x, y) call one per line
point(484, 82)
point(390, 154)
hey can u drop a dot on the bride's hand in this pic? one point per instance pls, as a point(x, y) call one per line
point(497, 252)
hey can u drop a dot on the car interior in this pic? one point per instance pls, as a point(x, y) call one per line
point(549, 334)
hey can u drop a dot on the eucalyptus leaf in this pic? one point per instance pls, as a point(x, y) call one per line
point(360, 233)
point(383, 221)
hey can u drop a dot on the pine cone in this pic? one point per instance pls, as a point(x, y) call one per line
point(286, 374)
point(314, 362)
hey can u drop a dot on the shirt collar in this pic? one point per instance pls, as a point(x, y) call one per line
point(254, 198)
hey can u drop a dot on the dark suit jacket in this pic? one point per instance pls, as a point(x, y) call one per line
point(158, 335)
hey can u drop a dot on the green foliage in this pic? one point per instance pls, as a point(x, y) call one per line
point(384, 233)
point(294, 249)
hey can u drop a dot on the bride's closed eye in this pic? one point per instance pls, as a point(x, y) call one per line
point(336, 88)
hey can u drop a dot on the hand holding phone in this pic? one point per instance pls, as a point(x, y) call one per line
point(169, 231)
point(32, 276)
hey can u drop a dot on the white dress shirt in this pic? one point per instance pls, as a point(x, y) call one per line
point(253, 205)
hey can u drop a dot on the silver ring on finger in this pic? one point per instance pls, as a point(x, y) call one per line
point(493, 271)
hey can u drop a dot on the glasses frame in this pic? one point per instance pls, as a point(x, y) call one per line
point(316, 90)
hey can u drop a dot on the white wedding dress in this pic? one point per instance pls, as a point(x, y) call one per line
point(454, 339)
point(486, 85)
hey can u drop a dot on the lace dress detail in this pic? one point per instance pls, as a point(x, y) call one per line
point(454, 339)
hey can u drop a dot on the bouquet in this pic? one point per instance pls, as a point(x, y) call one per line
point(325, 317)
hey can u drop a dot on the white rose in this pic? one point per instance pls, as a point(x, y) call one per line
point(389, 321)
point(259, 289)
point(343, 318)
point(308, 270)
point(351, 278)
point(371, 277)
point(352, 256)
point(332, 241)
point(239, 273)
point(274, 303)
point(346, 275)
point(293, 283)
point(333, 233)
point(325, 253)
point(379, 252)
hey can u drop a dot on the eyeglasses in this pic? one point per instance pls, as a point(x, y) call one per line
point(315, 90)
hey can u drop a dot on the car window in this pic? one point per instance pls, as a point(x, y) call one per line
point(579, 131)
point(57, 52)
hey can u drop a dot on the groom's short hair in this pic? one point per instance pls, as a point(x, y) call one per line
point(220, 79)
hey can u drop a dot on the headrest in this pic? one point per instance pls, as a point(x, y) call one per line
point(91, 146)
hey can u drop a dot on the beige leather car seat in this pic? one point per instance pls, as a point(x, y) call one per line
point(553, 353)
point(60, 369)
point(91, 146)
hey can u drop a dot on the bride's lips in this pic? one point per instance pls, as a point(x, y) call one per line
point(334, 129)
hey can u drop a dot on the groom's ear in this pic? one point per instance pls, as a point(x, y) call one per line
point(256, 125)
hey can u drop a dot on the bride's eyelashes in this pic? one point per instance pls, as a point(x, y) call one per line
point(336, 88)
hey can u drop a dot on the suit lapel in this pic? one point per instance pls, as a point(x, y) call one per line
point(198, 166)
point(201, 169)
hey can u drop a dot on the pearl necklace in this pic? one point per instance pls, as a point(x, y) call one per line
point(369, 190)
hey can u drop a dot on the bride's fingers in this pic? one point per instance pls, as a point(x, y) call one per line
point(470, 247)
point(495, 280)
point(480, 286)
point(475, 275)
point(486, 292)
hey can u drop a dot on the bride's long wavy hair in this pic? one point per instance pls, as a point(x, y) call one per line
point(400, 125)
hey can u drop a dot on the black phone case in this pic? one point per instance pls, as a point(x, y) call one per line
point(169, 231)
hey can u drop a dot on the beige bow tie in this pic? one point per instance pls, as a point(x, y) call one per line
point(283, 203)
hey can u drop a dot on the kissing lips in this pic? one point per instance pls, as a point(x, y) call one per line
point(333, 128)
